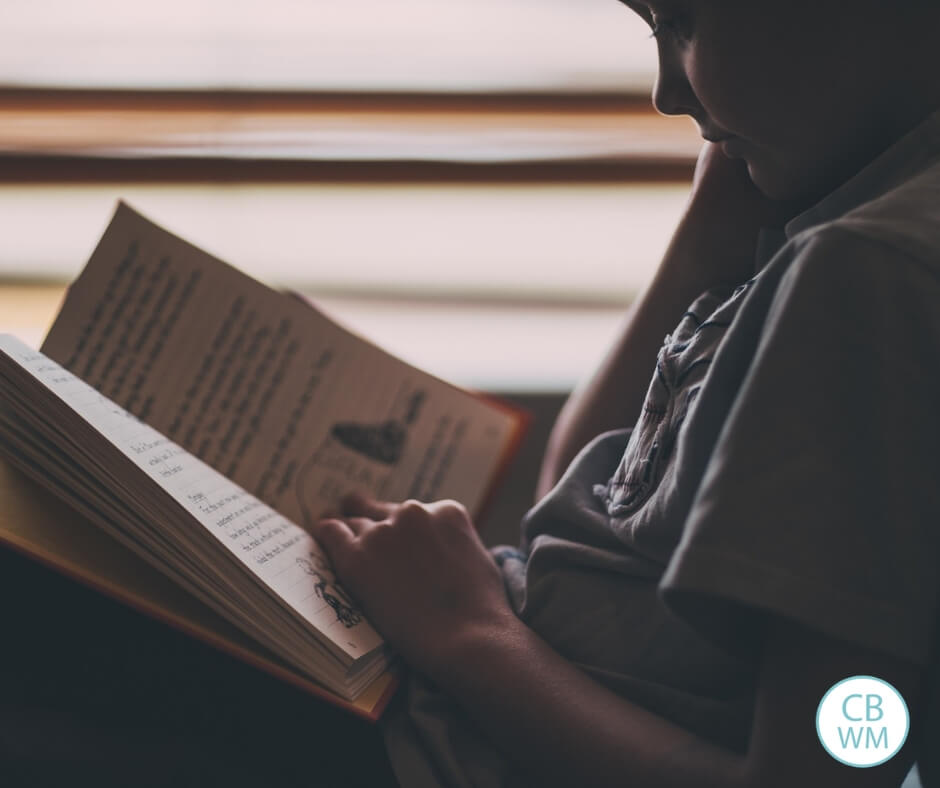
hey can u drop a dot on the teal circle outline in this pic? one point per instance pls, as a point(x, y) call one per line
point(907, 728)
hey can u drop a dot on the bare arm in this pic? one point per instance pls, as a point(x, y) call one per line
point(565, 729)
point(431, 588)
point(714, 244)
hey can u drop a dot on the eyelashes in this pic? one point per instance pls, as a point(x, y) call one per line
point(666, 28)
point(660, 29)
point(667, 19)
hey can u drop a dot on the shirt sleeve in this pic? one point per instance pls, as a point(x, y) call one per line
point(821, 500)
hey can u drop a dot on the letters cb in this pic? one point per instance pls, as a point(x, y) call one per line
point(862, 721)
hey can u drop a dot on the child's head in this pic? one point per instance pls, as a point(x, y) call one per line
point(805, 91)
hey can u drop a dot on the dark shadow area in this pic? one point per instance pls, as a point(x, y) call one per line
point(93, 693)
point(500, 521)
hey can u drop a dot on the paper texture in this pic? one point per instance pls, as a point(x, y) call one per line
point(280, 553)
point(46, 529)
point(270, 393)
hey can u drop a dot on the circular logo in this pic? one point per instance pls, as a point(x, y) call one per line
point(862, 721)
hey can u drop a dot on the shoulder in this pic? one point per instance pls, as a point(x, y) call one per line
point(866, 263)
point(895, 236)
point(906, 218)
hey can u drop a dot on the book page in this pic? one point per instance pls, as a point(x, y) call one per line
point(263, 388)
point(282, 555)
point(39, 525)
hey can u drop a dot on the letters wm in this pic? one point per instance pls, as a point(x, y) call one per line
point(862, 721)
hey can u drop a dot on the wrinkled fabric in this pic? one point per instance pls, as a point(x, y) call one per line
point(784, 463)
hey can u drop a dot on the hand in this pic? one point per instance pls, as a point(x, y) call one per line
point(724, 185)
point(420, 573)
point(726, 211)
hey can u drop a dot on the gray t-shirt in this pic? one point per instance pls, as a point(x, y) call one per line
point(785, 462)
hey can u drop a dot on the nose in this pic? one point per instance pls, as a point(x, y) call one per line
point(672, 94)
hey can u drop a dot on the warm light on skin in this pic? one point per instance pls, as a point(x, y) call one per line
point(808, 91)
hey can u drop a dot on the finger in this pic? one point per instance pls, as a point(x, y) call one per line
point(358, 505)
point(333, 535)
point(358, 525)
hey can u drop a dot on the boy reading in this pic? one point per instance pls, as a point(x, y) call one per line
point(754, 513)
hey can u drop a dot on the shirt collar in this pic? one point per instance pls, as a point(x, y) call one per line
point(769, 241)
point(905, 158)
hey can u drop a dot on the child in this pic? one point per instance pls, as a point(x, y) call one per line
point(688, 589)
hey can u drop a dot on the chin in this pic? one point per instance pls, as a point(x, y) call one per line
point(779, 183)
point(774, 185)
point(800, 181)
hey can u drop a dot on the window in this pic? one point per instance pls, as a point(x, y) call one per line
point(485, 167)
point(478, 46)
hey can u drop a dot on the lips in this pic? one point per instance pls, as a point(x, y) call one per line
point(730, 145)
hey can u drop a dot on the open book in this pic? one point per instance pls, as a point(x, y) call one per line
point(191, 420)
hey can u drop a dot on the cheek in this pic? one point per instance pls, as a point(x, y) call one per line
point(731, 94)
point(745, 76)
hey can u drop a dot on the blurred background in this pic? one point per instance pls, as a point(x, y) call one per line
point(480, 186)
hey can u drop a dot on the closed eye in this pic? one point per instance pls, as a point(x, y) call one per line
point(663, 27)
